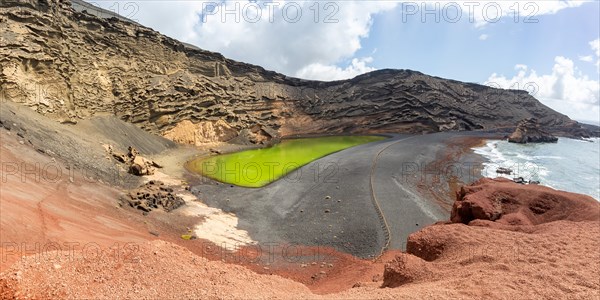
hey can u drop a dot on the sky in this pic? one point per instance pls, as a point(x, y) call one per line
point(549, 48)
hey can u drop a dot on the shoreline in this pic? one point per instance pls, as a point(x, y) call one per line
point(555, 165)
point(459, 151)
point(255, 206)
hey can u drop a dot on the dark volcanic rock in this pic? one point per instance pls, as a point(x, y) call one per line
point(87, 65)
point(153, 194)
point(136, 164)
point(529, 131)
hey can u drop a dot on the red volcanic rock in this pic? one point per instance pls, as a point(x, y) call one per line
point(404, 269)
point(422, 245)
point(505, 202)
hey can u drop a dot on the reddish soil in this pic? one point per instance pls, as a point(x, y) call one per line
point(44, 206)
point(41, 209)
point(556, 260)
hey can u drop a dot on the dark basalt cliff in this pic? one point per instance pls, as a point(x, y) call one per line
point(71, 65)
point(529, 131)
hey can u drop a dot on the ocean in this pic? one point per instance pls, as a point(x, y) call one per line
point(569, 165)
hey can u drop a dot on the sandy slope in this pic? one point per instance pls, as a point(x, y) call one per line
point(59, 190)
point(44, 206)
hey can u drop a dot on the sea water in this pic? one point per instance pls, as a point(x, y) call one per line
point(570, 165)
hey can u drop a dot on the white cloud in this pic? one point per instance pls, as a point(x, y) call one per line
point(520, 66)
point(482, 13)
point(294, 48)
point(483, 37)
point(319, 71)
point(595, 45)
point(566, 89)
point(176, 19)
point(297, 48)
point(324, 34)
point(525, 11)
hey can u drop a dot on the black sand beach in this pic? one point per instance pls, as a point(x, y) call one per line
point(330, 202)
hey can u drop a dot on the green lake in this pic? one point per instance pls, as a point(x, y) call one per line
point(259, 167)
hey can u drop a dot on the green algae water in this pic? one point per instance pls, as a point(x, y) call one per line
point(259, 167)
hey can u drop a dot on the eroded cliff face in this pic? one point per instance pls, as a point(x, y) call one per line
point(71, 65)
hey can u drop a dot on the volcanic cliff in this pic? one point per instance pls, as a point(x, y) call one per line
point(70, 65)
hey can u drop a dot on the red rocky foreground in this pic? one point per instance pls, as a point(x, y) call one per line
point(505, 241)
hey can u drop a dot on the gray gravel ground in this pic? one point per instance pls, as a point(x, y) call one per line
point(80, 145)
point(295, 209)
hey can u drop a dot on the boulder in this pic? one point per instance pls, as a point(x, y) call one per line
point(137, 164)
point(141, 166)
point(502, 170)
point(152, 195)
point(506, 202)
point(529, 131)
point(404, 269)
point(421, 245)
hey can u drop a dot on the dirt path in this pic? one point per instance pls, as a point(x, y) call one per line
point(384, 223)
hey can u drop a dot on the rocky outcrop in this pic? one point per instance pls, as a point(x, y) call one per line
point(71, 65)
point(404, 269)
point(505, 202)
point(491, 206)
point(136, 164)
point(153, 195)
point(529, 131)
point(186, 132)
